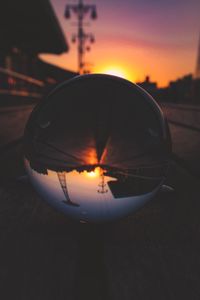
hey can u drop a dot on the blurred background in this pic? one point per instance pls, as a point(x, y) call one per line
point(152, 43)
point(153, 254)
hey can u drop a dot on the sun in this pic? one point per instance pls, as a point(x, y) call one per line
point(91, 174)
point(116, 71)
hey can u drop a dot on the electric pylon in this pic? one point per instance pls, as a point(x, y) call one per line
point(83, 39)
point(63, 184)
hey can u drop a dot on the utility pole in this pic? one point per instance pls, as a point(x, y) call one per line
point(82, 38)
point(197, 71)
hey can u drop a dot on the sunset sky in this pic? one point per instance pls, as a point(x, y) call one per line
point(137, 38)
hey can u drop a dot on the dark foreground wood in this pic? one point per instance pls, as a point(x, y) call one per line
point(153, 254)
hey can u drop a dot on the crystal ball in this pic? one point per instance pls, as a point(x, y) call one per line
point(97, 148)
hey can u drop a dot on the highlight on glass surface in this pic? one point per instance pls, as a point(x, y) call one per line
point(97, 148)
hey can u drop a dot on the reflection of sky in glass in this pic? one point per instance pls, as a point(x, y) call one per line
point(85, 189)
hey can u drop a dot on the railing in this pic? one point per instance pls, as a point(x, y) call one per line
point(187, 116)
point(16, 84)
point(184, 123)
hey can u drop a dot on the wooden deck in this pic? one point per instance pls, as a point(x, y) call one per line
point(153, 254)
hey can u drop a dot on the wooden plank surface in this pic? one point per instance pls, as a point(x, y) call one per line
point(153, 254)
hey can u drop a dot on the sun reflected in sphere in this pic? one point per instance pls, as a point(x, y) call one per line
point(94, 173)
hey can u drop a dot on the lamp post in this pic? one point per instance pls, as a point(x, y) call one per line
point(82, 38)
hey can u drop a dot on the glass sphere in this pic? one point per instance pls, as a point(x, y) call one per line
point(97, 148)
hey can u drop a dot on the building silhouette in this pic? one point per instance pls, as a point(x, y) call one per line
point(148, 85)
point(27, 29)
point(181, 90)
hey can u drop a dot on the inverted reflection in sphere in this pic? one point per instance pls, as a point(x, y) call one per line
point(97, 148)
